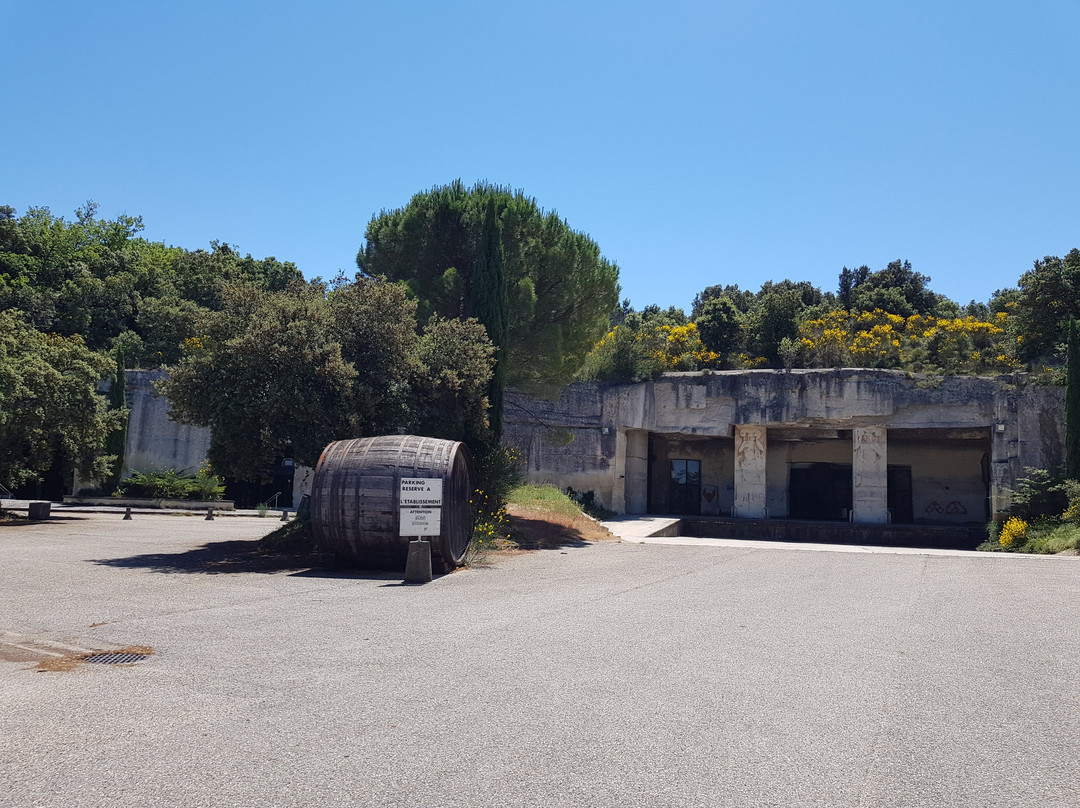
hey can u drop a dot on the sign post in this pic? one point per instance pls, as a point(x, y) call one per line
point(420, 512)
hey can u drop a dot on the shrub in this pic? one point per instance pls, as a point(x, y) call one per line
point(170, 485)
point(498, 471)
point(1013, 533)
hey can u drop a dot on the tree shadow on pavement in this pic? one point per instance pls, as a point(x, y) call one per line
point(243, 556)
point(10, 519)
point(543, 534)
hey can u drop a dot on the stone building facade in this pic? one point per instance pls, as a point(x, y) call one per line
point(867, 446)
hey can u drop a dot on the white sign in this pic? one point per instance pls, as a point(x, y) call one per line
point(420, 521)
point(420, 492)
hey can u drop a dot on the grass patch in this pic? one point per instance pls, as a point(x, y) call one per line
point(1042, 537)
point(541, 517)
point(545, 498)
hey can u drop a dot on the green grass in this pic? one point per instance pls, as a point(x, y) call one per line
point(544, 497)
point(1043, 538)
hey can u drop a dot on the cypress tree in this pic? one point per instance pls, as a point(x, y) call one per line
point(1072, 404)
point(490, 304)
point(116, 441)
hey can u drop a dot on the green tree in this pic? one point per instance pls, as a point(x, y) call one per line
point(98, 279)
point(277, 380)
point(375, 324)
point(51, 416)
point(561, 291)
point(163, 324)
point(742, 298)
point(850, 280)
point(450, 380)
point(1072, 404)
point(1048, 299)
point(896, 289)
point(297, 369)
point(776, 314)
point(720, 324)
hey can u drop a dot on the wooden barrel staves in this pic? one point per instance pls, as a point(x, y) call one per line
point(355, 505)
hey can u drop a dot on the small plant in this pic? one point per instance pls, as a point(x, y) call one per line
point(263, 509)
point(1013, 533)
point(1040, 492)
point(491, 530)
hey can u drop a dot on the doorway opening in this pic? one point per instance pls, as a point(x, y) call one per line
point(684, 494)
point(819, 491)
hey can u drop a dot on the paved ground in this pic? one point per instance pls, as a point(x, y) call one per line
point(620, 674)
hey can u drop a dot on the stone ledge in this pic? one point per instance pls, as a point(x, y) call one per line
point(135, 502)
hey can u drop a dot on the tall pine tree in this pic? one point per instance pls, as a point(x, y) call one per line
point(1072, 404)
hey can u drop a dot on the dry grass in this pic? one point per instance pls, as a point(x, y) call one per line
point(537, 526)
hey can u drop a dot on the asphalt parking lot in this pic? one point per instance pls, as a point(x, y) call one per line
point(617, 674)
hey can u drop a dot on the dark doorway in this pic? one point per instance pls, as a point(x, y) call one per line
point(819, 491)
point(899, 496)
point(274, 487)
point(685, 492)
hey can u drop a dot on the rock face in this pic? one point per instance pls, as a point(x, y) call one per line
point(866, 445)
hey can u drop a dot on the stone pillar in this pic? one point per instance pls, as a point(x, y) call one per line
point(870, 475)
point(750, 487)
point(637, 471)
point(1005, 463)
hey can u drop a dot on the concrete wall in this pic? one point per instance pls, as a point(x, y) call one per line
point(154, 441)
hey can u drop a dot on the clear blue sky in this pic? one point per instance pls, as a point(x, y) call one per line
point(697, 142)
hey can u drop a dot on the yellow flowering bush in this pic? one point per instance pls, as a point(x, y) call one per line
point(1013, 533)
point(920, 342)
point(680, 348)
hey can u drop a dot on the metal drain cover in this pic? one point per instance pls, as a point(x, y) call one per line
point(115, 659)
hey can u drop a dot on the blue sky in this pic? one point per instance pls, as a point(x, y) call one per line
point(698, 143)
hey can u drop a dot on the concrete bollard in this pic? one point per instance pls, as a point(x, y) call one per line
point(127, 514)
point(39, 510)
point(209, 514)
point(284, 515)
point(418, 565)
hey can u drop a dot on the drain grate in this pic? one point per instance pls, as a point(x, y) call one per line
point(115, 659)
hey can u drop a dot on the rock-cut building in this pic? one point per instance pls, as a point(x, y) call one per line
point(864, 446)
point(870, 447)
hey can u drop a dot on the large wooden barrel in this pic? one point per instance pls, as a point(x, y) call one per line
point(355, 498)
